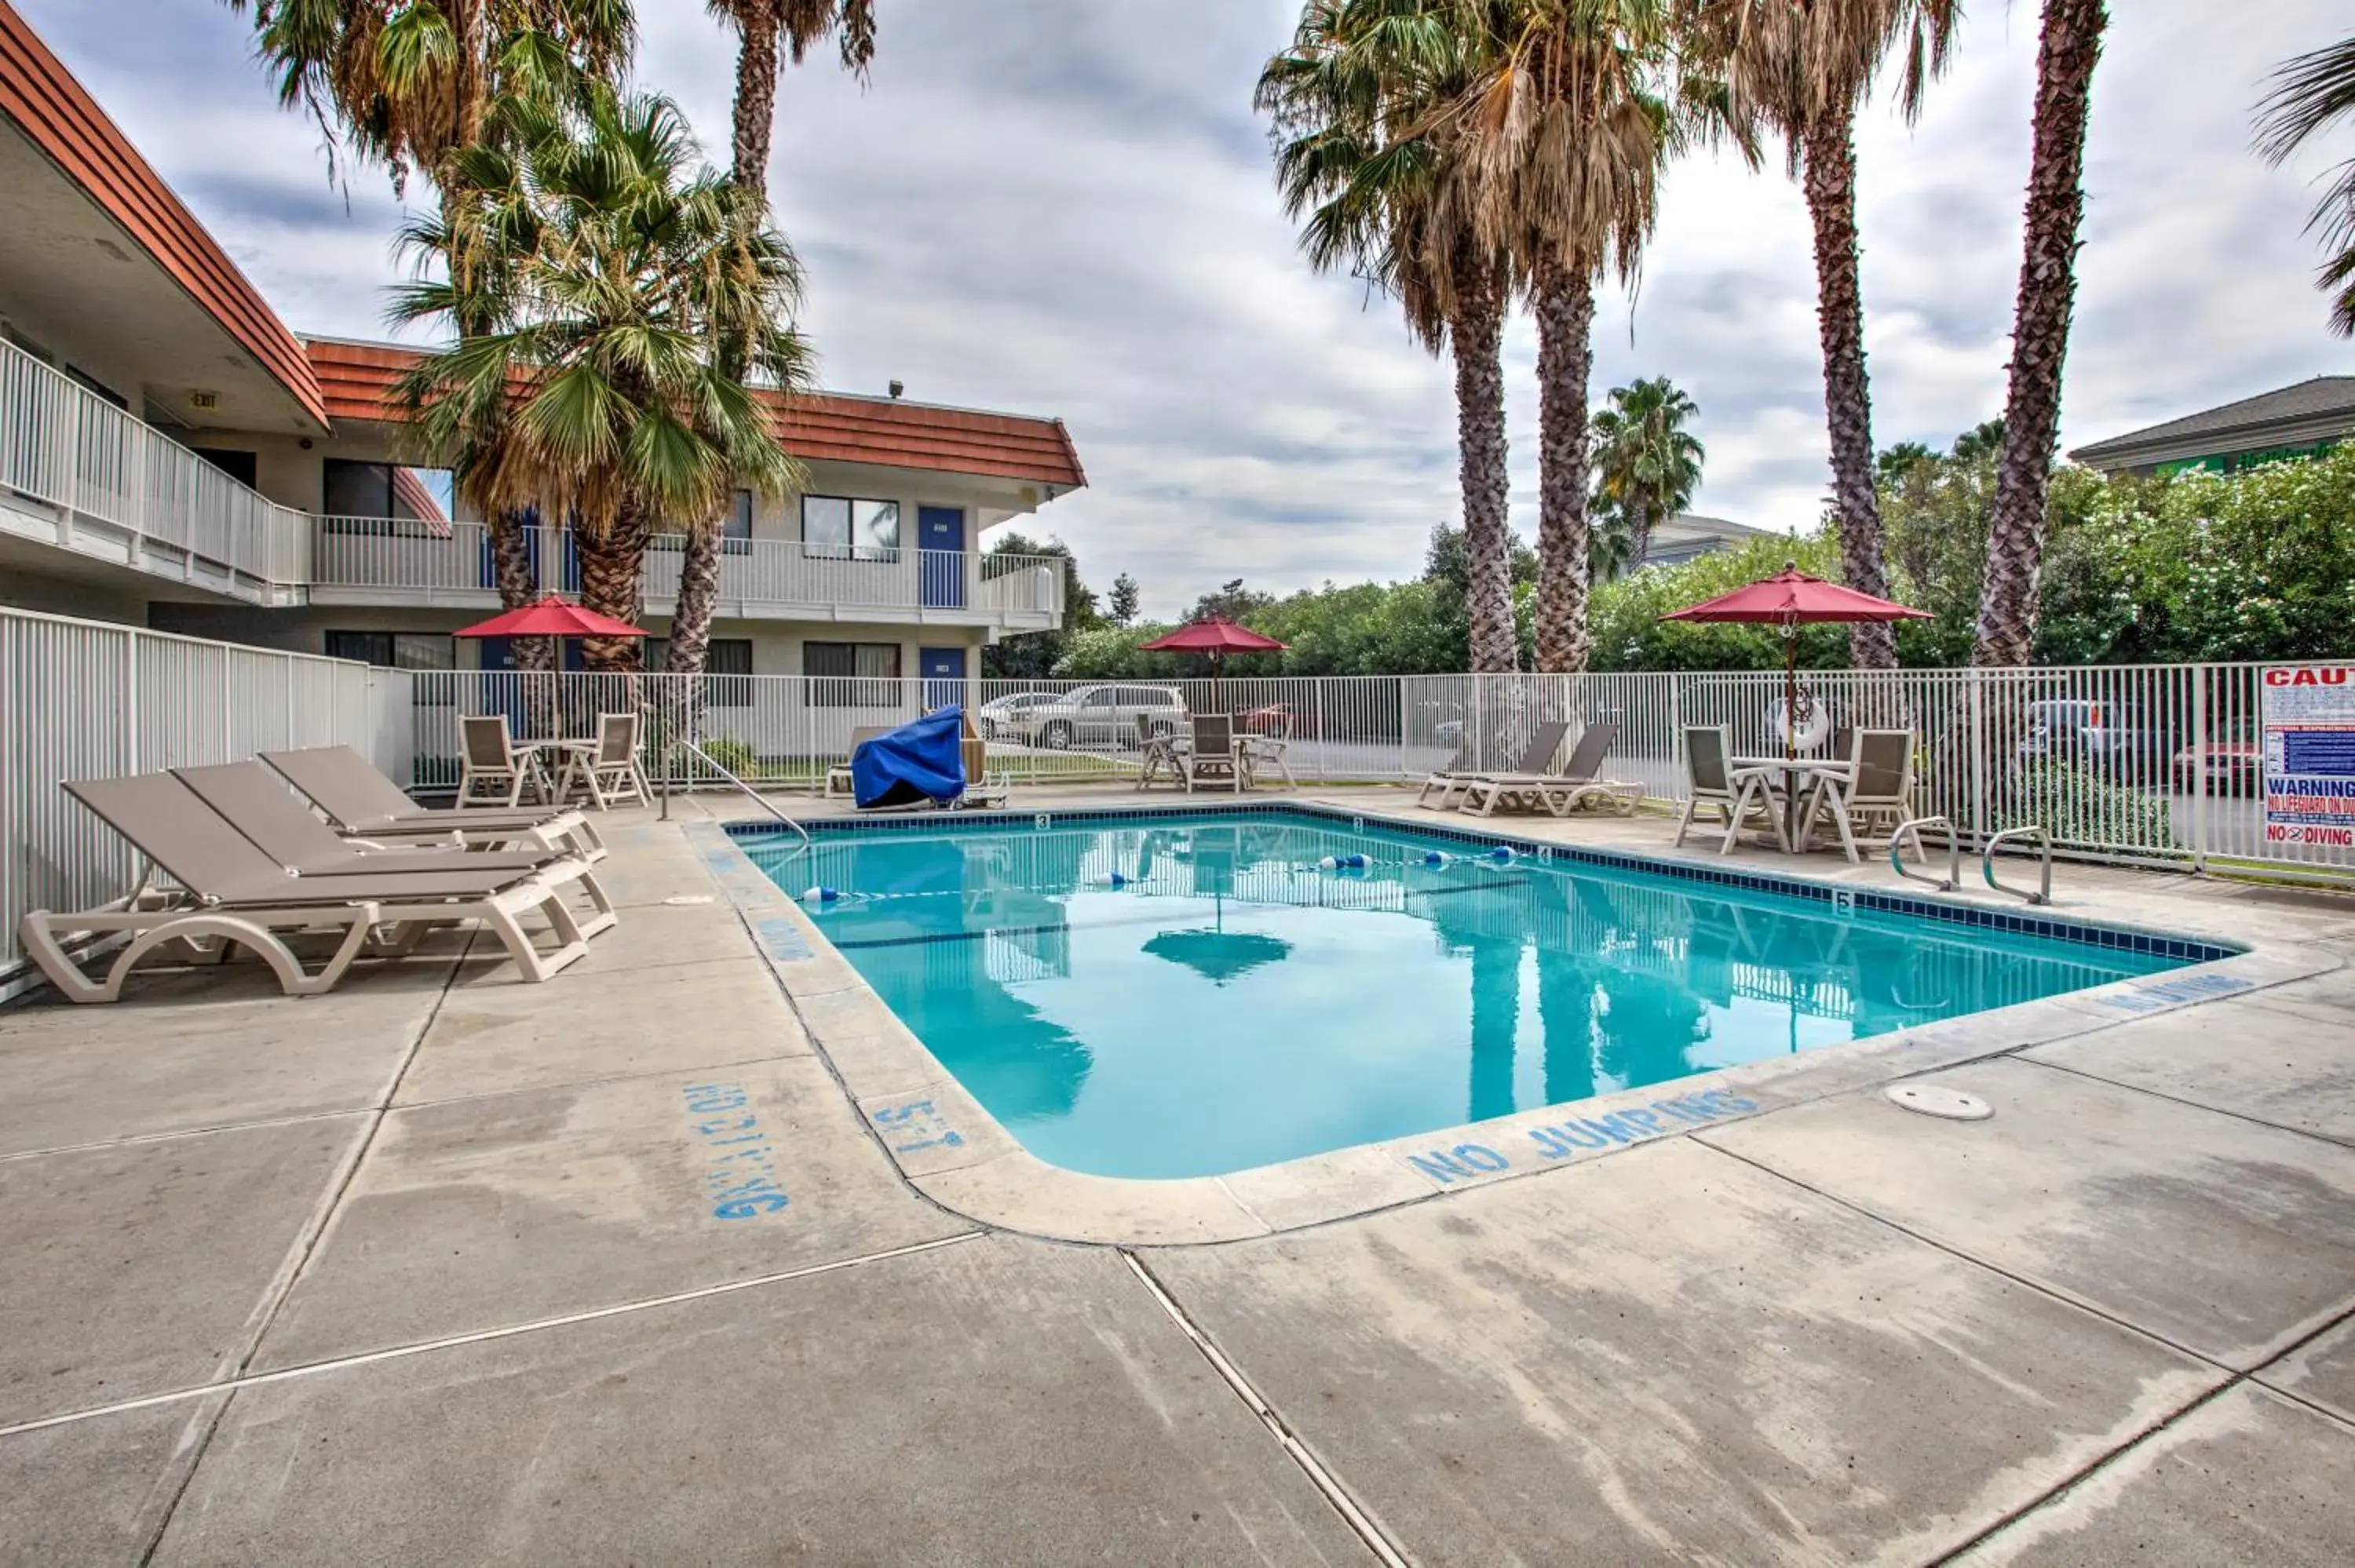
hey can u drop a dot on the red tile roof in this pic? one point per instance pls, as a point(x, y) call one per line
point(65, 123)
point(823, 426)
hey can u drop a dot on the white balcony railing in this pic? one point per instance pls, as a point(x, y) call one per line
point(407, 560)
point(158, 506)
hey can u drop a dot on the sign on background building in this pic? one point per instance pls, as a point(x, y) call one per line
point(2309, 723)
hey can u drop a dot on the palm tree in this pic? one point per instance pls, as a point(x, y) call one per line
point(1367, 150)
point(1803, 68)
point(2070, 45)
point(413, 84)
point(2310, 93)
point(1567, 126)
point(632, 280)
point(1647, 465)
point(764, 29)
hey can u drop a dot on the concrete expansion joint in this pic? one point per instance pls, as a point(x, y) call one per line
point(1352, 1514)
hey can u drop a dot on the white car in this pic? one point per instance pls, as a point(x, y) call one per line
point(1000, 718)
point(1103, 716)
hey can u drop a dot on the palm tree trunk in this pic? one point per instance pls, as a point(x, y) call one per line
point(511, 569)
point(699, 594)
point(612, 582)
point(1639, 530)
point(1564, 300)
point(1478, 334)
point(2071, 44)
point(1830, 181)
point(756, 91)
point(1496, 1020)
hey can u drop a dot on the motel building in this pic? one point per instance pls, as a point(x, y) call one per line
point(174, 456)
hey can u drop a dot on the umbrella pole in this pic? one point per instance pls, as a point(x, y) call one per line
point(1790, 691)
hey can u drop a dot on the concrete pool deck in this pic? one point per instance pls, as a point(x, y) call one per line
point(432, 1271)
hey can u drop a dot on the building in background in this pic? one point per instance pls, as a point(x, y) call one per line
point(173, 456)
point(1687, 536)
point(2299, 422)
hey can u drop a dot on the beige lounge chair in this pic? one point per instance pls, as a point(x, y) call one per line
point(610, 773)
point(362, 803)
point(1214, 758)
point(1560, 793)
point(1714, 780)
point(1877, 784)
point(1536, 758)
point(231, 893)
point(838, 779)
point(257, 803)
point(496, 769)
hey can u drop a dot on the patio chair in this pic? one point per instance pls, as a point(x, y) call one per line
point(363, 803)
point(1714, 780)
point(497, 770)
point(231, 893)
point(1157, 754)
point(609, 771)
point(1536, 757)
point(1214, 758)
point(1877, 784)
point(1561, 792)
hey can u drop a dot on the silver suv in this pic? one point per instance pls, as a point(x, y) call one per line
point(1102, 716)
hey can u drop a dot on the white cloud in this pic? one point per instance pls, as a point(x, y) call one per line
point(1064, 207)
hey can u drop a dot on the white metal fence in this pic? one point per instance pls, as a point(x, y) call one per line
point(81, 699)
point(62, 444)
point(2138, 764)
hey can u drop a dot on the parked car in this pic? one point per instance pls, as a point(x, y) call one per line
point(2127, 741)
point(2236, 762)
point(1281, 720)
point(1101, 716)
point(1000, 718)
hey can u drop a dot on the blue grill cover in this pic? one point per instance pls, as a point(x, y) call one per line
point(919, 761)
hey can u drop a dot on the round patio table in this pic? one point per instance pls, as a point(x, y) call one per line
point(1796, 771)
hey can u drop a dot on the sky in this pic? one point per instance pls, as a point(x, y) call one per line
point(1065, 207)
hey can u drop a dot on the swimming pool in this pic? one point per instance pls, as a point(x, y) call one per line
point(1191, 994)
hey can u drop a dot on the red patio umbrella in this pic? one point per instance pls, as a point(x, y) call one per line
point(1217, 637)
point(1790, 599)
point(552, 616)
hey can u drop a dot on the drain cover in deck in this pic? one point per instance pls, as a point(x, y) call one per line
point(1935, 1100)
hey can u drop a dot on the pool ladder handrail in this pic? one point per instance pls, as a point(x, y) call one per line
point(2044, 895)
point(1953, 880)
point(691, 744)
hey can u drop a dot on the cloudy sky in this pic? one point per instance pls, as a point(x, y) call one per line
point(1063, 206)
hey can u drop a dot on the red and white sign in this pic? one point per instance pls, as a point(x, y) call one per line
point(2309, 725)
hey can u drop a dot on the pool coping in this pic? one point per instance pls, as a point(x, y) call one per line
point(953, 1151)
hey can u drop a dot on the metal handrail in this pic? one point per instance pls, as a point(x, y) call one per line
point(1953, 877)
point(750, 793)
point(2044, 842)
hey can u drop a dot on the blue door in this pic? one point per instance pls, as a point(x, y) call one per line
point(490, 565)
point(943, 672)
point(940, 547)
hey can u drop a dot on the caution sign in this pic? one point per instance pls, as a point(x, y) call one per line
point(2309, 722)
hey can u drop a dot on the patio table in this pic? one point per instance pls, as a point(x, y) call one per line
point(1796, 771)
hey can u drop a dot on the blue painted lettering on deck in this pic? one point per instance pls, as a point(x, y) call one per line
point(741, 1176)
point(915, 1125)
point(2154, 995)
point(1460, 1163)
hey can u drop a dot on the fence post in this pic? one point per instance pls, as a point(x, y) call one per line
point(2198, 769)
point(1977, 733)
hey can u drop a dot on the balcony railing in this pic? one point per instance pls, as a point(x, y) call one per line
point(408, 561)
point(156, 505)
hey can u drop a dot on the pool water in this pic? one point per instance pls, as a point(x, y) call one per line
point(1234, 1002)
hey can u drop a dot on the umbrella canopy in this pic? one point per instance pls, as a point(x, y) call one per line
point(1214, 637)
point(552, 616)
point(1792, 598)
point(1219, 956)
point(1789, 599)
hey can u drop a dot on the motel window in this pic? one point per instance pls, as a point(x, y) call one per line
point(730, 657)
point(418, 650)
point(736, 528)
point(852, 675)
point(842, 528)
point(381, 491)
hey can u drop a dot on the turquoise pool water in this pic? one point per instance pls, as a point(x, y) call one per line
point(1235, 1002)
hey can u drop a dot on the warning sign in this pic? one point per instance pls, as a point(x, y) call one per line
point(2309, 720)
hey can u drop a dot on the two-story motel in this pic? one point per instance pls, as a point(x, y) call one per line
point(173, 456)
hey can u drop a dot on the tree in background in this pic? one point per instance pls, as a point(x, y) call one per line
point(1647, 465)
point(763, 29)
point(1803, 68)
point(2310, 93)
point(1365, 152)
point(1033, 655)
point(2070, 44)
point(1231, 601)
point(1122, 606)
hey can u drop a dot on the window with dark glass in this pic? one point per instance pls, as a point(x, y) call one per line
point(844, 528)
point(852, 675)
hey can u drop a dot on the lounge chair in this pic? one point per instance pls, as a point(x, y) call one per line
point(837, 775)
point(1714, 780)
point(1214, 758)
point(1536, 757)
point(1561, 792)
point(362, 803)
point(1876, 783)
point(231, 891)
point(257, 803)
point(610, 772)
point(496, 769)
